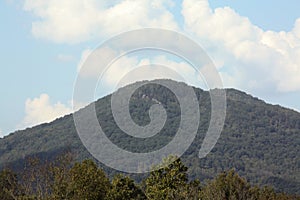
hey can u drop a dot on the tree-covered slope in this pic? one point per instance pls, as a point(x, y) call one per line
point(261, 141)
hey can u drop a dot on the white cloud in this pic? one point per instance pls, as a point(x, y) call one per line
point(131, 69)
point(128, 65)
point(75, 21)
point(247, 57)
point(40, 110)
point(185, 70)
point(296, 29)
point(252, 59)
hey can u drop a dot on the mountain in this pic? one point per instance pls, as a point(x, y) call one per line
point(261, 141)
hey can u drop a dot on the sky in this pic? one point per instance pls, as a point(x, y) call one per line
point(255, 46)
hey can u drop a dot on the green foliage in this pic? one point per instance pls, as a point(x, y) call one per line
point(227, 185)
point(87, 181)
point(124, 188)
point(36, 179)
point(169, 181)
point(8, 185)
point(61, 177)
point(230, 186)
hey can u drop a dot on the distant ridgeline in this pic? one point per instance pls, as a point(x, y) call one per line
point(260, 141)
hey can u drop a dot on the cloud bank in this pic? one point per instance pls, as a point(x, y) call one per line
point(253, 59)
point(248, 57)
point(81, 20)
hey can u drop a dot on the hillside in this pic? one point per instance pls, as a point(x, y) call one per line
point(261, 141)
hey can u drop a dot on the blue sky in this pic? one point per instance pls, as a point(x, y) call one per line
point(39, 65)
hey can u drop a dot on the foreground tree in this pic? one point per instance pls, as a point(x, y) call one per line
point(169, 181)
point(87, 181)
point(227, 185)
point(35, 180)
point(61, 176)
point(124, 188)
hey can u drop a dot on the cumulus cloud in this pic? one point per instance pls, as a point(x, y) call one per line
point(126, 67)
point(131, 69)
point(252, 59)
point(246, 56)
point(40, 110)
point(75, 21)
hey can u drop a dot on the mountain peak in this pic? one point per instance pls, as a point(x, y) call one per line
point(259, 140)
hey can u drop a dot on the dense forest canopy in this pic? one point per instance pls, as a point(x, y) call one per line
point(64, 179)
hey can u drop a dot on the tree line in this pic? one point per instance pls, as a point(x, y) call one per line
point(69, 180)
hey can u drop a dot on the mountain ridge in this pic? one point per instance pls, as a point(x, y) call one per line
point(260, 140)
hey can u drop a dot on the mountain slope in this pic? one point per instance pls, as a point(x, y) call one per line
point(261, 141)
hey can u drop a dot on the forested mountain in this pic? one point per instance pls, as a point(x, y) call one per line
point(260, 141)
